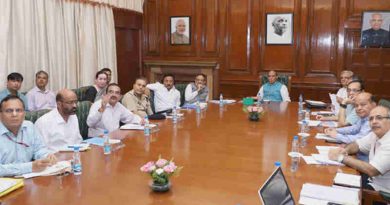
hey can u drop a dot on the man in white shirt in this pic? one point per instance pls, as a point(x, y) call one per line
point(345, 78)
point(377, 145)
point(106, 113)
point(165, 95)
point(60, 127)
point(197, 91)
point(39, 97)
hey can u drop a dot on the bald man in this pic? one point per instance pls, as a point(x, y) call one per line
point(60, 127)
point(376, 145)
point(376, 36)
point(179, 37)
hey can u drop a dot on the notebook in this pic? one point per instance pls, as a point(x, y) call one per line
point(8, 185)
point(275, 190)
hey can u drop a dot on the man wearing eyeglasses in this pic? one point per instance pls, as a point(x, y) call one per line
point(364, 103)
point(376, 145)
point(274, 90)
point(21, 148)
point(106, 113)
point(345, 78)
point(60, 127)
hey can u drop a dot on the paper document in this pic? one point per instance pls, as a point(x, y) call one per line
point(335, 104)
point(314, 123)
point(328, 194)
point(99, 141)
point(323, 136)
point(310, 160)
point(314, 102)
point(193, 106)
point(322, 113)
point(70, 148)
point(329, 124)
point(135, 126)
point(324, 159)
point(9, 184)
point(59, 167)
point(347, 180)
point(227, 101)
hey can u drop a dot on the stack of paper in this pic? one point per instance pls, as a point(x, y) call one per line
point(325, 149)
point(193, 106)
point(99, 141)
point(349, 180)
point(312, 194)
point(227, 101)
point(329, 124)
point(322, 157)
point(8, 185)
point(135, 126)
point(70, 148)
point(322, 113)
point(325, 137)
point(59, 167)
point(315, 103)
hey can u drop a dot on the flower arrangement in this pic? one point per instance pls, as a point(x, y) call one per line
point(254, 112)
point(161, 170)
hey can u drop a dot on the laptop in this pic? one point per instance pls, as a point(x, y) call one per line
point(275, 190)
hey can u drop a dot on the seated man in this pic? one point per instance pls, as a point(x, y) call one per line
point(364, 103)
point(165, 95)
point(345, 78)
point(347, 113)
point(60, 127)
point(274, 90)
point(22, 150)
point(198, 90)
point(376, 145)
point(106, 113)
point(39, 97)
point(136, 100)
point(14, 82)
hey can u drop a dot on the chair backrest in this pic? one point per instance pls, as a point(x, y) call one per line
point(34, 115)
point(283, 78)
point(180, 87)
point(370, 196)
point(80, 92)
point(82, 115)
point(384, 102)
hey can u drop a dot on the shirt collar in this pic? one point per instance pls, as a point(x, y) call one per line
point(4, 130)
point(36, 89)
point(58, 117)
point(385, 138)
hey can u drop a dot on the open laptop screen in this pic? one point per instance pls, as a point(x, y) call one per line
point(275, 190)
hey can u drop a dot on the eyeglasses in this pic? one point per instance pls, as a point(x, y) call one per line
point(114, 92)
point(353, 90)
point(71, 102)
point(11, 111)
point(378, 118)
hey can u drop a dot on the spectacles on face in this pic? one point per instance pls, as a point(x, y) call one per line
point(11, 111)
point(71, 102)
point(114, 92)
point(353, 90)
point(378, 118)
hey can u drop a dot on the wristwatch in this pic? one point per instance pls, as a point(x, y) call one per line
point(343, 105)
point(340, 158)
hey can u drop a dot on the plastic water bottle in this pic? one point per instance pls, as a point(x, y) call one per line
point(303, 132)
point(107, 145)
point(174, 115)
point(295, 154)
point(197, 107)
point(300, 108)
point(220, 100)
point(146, 126)
point(76, 168)
point(259, 100)
point(307, 115)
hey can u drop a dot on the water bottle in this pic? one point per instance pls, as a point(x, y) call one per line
point(76, 168)
point(295, 154)
point(197, 107)
point(174, 115)
point(300, 109)
point(303, 130)
point(259, 100)
point(221, 100)
point(146, 126)
point(307, 115)
point(107, 145)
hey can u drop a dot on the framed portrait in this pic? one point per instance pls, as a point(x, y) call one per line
point(279, 29)
point(180, 33)
point(375, 29)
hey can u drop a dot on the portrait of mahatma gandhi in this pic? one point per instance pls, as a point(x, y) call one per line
point(180, 33)
point(280, 25)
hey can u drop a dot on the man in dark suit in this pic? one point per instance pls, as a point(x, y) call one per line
point(376, 36)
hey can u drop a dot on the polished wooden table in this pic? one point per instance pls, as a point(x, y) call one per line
point(226, 159)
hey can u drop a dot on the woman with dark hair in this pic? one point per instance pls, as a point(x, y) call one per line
point(96, 91)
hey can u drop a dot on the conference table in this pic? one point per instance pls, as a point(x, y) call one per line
point(225, 159)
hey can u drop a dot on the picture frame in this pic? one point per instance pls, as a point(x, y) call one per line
point(279, 28)
point(375, 29)
point(180, 30)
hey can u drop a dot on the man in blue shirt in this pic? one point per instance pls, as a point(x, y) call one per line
point(21, 148)
point(274, 90)
point(14, 82)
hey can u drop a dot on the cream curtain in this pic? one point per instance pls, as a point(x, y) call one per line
point(68, 39)
point(135, 5)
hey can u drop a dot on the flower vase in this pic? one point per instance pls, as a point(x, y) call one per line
point(254, 116)
point(157, 187)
